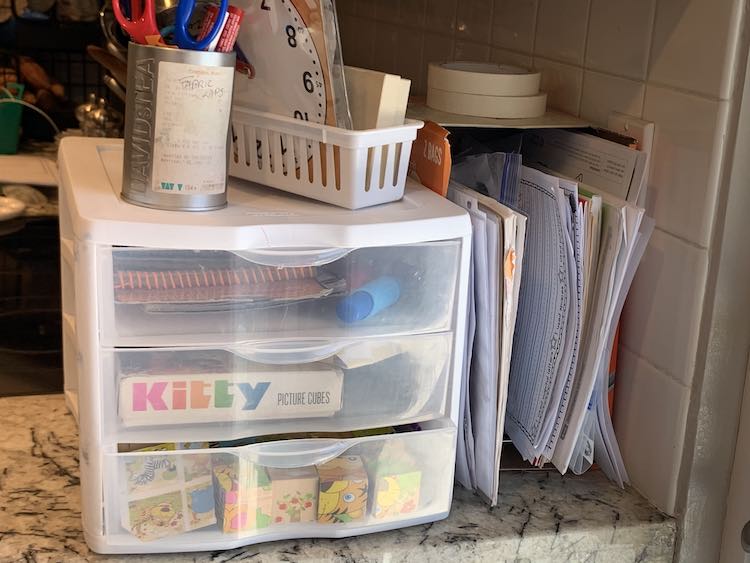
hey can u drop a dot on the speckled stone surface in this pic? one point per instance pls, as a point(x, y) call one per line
point(541, 517)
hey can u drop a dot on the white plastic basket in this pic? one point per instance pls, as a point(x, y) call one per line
point(352, 169)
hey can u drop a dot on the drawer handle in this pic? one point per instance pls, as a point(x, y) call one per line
point(293, 258)
point(289, 352)
point(294, 453)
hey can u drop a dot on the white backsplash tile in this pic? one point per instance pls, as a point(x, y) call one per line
point(474, 20)
point(440, 16)
point(690, 134)
point(561, 30)
point(409, 58)
point(650, 414)
point(619, 37)
point(468, 51)
point(366, 8)
point(385, 51)
point(346, 7)
point(386, 10)
point(602, 94)
point(504, 56)
point(514, 24)
point(695, 45)
point(357, 41)
point(562, 83)
point(662, 313)
point(412, 12)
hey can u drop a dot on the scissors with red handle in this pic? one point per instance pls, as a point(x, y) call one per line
point(141, 26)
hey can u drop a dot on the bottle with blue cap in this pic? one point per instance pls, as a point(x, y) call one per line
point(369, 299)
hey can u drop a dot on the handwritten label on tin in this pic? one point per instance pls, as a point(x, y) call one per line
point(192, 116)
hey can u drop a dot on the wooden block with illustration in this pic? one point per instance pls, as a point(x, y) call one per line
point(343, 488)
point(242, 494)
point(397, 481)
point(167, 494)
point(156, 517)
point(295, 494)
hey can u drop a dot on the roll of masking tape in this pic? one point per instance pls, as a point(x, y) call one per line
point(499, 107)
point(487, 79)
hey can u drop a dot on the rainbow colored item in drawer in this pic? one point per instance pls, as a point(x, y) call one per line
point(295, 494)
point(343, 490)
point(168, 494)
point(242, 493)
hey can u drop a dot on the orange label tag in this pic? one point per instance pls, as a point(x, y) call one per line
point(430, 157)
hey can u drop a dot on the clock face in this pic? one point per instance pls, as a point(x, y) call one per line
point(279, 66)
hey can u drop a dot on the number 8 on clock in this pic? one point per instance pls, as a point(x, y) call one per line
point(283, 61)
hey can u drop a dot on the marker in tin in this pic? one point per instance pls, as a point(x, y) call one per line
point(224, 42)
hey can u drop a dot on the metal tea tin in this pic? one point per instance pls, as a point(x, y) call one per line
point(177, 128)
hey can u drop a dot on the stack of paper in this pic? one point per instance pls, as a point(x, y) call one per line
point(542, 345)
point(547, 335)
point(617, 169)
point(497, 254)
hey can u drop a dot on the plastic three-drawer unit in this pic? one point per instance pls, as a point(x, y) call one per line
point(281, 368)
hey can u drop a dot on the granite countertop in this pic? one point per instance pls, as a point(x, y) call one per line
point(541, 516)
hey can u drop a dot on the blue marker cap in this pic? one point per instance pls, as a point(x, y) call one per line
point(369, 299)
point(356, 307)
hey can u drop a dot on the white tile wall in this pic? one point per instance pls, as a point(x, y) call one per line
point(561, 30)
point(669, 61)
point(470, 51)
point(440, 16)
point(659, 320)
point(511, 57)
point(474, 20)
point(384, 54)
point(412, 12)
point(410, 41)
point(685, 171)
point(649, 419)
point(619, 36)
point(514, 24)
point(604, 93)
point(562, 82)
point(694, 45)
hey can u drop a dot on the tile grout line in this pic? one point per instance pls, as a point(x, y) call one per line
point(536, 30)
point(682, 239)
point(583, 57)
point(422, 64)
point(648, 56)
point(454, 31)
point(653, 366)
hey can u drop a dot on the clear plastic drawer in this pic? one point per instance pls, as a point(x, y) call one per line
point(217, 498)
point(155, 297)
point(179, 394)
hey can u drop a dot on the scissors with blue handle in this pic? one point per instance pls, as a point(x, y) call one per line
point(142, 26)
point(184, 14)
